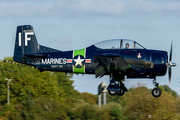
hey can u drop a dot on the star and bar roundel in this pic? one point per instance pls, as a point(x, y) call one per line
point(79, 60)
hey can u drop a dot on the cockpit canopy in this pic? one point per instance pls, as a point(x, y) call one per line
point(119, 44)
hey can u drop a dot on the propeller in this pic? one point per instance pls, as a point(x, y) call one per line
point(170, 64)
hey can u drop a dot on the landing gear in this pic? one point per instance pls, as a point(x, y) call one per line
point(114, 89)
point(112, 92)
point(156, 92)
point(121, 92)
point(123, 89)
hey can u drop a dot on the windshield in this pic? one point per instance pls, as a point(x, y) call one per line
point(119, 44)
point(109, 44)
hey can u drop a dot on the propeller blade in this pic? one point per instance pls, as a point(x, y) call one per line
point(170, 63)
point(170, 57)
point(169, 75)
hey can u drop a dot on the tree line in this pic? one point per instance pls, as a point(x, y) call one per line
point(36, 95)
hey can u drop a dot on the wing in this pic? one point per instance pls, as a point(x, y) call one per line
point(109, 63)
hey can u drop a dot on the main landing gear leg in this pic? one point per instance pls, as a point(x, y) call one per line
point(156, 92)
point(113, 87)
point(123, 89)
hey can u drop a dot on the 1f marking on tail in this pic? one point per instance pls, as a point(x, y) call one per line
point(26, 38)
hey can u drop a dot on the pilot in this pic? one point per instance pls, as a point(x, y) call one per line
point(127, 46)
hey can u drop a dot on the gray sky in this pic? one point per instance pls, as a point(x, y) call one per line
point(76, 24)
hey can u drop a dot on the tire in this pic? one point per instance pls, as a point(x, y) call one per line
point(156, 92)
point(121, 92)
point(112, 92)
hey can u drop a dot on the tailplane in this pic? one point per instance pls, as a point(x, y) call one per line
point(26, 44)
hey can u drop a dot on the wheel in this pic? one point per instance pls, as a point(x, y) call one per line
point(156, 92)
point(112, 92)
point(121, 92)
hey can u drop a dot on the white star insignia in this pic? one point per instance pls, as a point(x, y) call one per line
point(78, 61)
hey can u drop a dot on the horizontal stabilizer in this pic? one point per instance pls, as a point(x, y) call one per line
point(37, 55)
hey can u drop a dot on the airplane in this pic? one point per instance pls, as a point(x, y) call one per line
point(116, 58)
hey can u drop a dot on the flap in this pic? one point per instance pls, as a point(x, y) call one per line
point(108, 63)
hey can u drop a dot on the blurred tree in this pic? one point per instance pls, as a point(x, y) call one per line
point(27, 111)
point(66, 90)
point(25, 79)
point(49, 109)
point(116, 99)
point(51, 95)
point(168, 89)
point(164, 108)
point(140, 104)
point(88, 97)
point(116, 112)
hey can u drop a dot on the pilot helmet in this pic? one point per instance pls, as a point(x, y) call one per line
point(127, 45)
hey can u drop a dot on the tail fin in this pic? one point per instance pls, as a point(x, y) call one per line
point(26, 44)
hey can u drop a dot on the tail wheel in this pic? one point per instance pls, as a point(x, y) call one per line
point(121, 92)
point(156, 92)
point(112, 92)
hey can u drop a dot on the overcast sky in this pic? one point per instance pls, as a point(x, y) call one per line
point(76, 24)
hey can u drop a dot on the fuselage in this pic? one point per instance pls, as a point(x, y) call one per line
point(149, 63)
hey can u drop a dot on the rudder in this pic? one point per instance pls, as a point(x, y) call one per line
point(25, 42)
point(26, 45)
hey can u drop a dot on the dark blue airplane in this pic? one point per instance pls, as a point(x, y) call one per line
point(117, 58)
